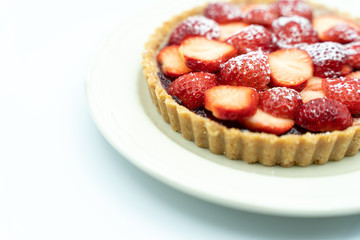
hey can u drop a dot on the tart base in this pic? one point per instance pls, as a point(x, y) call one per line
point(251, 147)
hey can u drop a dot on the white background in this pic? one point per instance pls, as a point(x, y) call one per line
point(59, 178)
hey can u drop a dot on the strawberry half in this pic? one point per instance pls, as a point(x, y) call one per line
point(253, 38)
point(223, 12)
point(293, 31)
point(328, 58)
point(324, 23)
point(260, 15)
point(190, 88)
point(345, 90)
point(250, 70)
point(202, 54)
point(312, 90)
point(229, 29)
point(342, 33)
point(264, 122)
point(354, 74)
point(280, 102)
point(195, 26)
point(290, 68)
point(231, 102)
point(171, 62)
point(322, 115)
point(353, 53)
point(292, 8)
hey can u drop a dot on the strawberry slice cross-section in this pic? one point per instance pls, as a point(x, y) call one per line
point(290, 68)
point(231, 102)
point(202, 54)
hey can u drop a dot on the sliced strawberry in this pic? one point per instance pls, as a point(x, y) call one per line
point(229, 29)
point(292, 8)
point(356, 122)
point(346, 70)
point(231, 102)
point(314, 84)
point(202, 54)
point(290, 68)
point(260, 15)
point(195, 26)
point(353, 53)
point(264, 122)
point(171, 62)
point(345, 90)
point(354, 74)
point(324, 23)
point(223, 12)
point(322, 115)
point(190, 88)
point(280, 102)
point(250, 70)
point(248, 7)
point(328, 58)
point(342, 33)
point(308, 95)
point(253, 38)
point(294, 31)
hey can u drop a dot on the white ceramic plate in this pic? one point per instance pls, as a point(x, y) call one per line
point(122, 109)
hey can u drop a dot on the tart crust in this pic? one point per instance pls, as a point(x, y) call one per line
point(252, 147)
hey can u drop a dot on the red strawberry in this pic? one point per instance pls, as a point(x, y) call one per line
point(342, 33)
point(264, 122)
point(223, 12)
point(323, 23)
point(253, 38)
point(291, 8)
point(229, 29)
point(195, 26)
point(231, 102)
point(202, 54)
point(251, 6)
point(293, 31)
point(260, 15)
point(280, 102)
point(328, 58)
point(353, 53)
point(322, 115)
point(312, 90)
point(345, 90)
point(190, 88)
point(290, 68)
point(172, 64)
point(250, 70)
point(354, 74)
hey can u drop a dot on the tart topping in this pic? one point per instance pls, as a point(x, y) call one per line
point(231, 102)
point(202, 54)
point(312, 90)
point(345, 90)
point(253, 38)
point(260, 15)
point(324, 23)
point(190, 88)
point(328, 58)
point(290, 68)
point(342, 33)
point(172, 64)
point(264, 122)
point(250, 70)
point(292, 31)
point(322, 115)
point(223, 12)
point(280, 102)
point(195, 26)
point(292, 8)
point(229, 29)
point(354, 74)
point(353, 53)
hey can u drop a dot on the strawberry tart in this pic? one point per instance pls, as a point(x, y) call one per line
point(269, 82)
